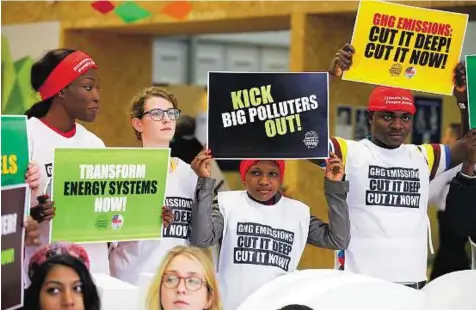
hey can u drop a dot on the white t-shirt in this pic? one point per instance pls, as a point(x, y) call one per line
point(259, 243)
point(129, 259)
point(43, 141)
point(388, 199)
point(440, 186)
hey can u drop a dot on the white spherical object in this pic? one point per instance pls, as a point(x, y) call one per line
point(335, 289)
point(456, 290)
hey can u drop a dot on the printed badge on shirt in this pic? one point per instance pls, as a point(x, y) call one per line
point(182, 210)
point(393, 187)
point(259, 244)
point(49, 169)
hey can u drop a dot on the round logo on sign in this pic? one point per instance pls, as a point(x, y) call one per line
point(117, 221)
point(311, 139)
point(410, 72)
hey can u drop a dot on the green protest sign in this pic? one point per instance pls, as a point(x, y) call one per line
point(110, 194)
point(15, 155)
point(471, 82)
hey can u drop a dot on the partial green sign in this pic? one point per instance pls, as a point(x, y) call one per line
point(471, 82)
point(15, 155)
point(109, 194)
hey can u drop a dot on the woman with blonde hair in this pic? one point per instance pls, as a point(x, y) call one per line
point(199, 288)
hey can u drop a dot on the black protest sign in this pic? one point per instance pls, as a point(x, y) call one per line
point(268, 115)
point(13, 211)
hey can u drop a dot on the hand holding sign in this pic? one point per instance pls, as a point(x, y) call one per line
point(45, 210)
point(32, 231)
point(342, 60)
point(334, 168)
point(167, 216)
point(459, 81)
point(48, 209)
point(201, 164)
point(32, 176)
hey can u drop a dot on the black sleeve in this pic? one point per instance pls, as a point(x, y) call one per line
point(460, 212)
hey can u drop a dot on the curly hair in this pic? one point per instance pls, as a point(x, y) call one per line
point(138, 102)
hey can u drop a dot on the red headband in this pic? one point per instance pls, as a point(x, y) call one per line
point(68, 70)
point(391, 99)
point(245, 165)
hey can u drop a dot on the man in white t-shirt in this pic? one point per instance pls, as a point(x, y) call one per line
point(389, 184)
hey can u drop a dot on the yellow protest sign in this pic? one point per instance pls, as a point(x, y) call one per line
point(408, 47)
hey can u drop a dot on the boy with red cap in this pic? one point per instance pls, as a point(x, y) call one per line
point(262, 234)
point(390, 183)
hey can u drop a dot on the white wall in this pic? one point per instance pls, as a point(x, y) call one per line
point(469, 46)
point(278, 38)
point(177, 60)
point(32, 39)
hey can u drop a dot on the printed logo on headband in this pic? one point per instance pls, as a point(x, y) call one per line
point(398, 100)
point(84, 64)
point(73, 66)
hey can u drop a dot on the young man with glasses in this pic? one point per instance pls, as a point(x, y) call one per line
point(154, 115)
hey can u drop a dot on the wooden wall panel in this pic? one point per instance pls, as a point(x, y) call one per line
point(125, 68)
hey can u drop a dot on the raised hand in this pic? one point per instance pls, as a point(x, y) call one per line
point(32, 176)
point(167, 216)
point(459, 81)
point(334, 168)
point(342, 60)
point(32, 232)
point(44, 211)
point(201, 164)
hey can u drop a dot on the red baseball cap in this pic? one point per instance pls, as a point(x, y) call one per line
point(245, 165)
point(392, 99)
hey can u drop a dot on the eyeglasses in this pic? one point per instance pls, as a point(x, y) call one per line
point(192, 283)
point(158, 114)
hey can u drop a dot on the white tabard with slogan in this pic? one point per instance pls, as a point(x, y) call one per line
point(388, 198)
point(259, 243)
point(129, 259)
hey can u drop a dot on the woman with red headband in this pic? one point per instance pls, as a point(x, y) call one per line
point(68, 83)
point(389, 181)
point(262, 233)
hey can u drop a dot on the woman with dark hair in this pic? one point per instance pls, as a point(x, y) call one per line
point(68, 83)
point(60, 279)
